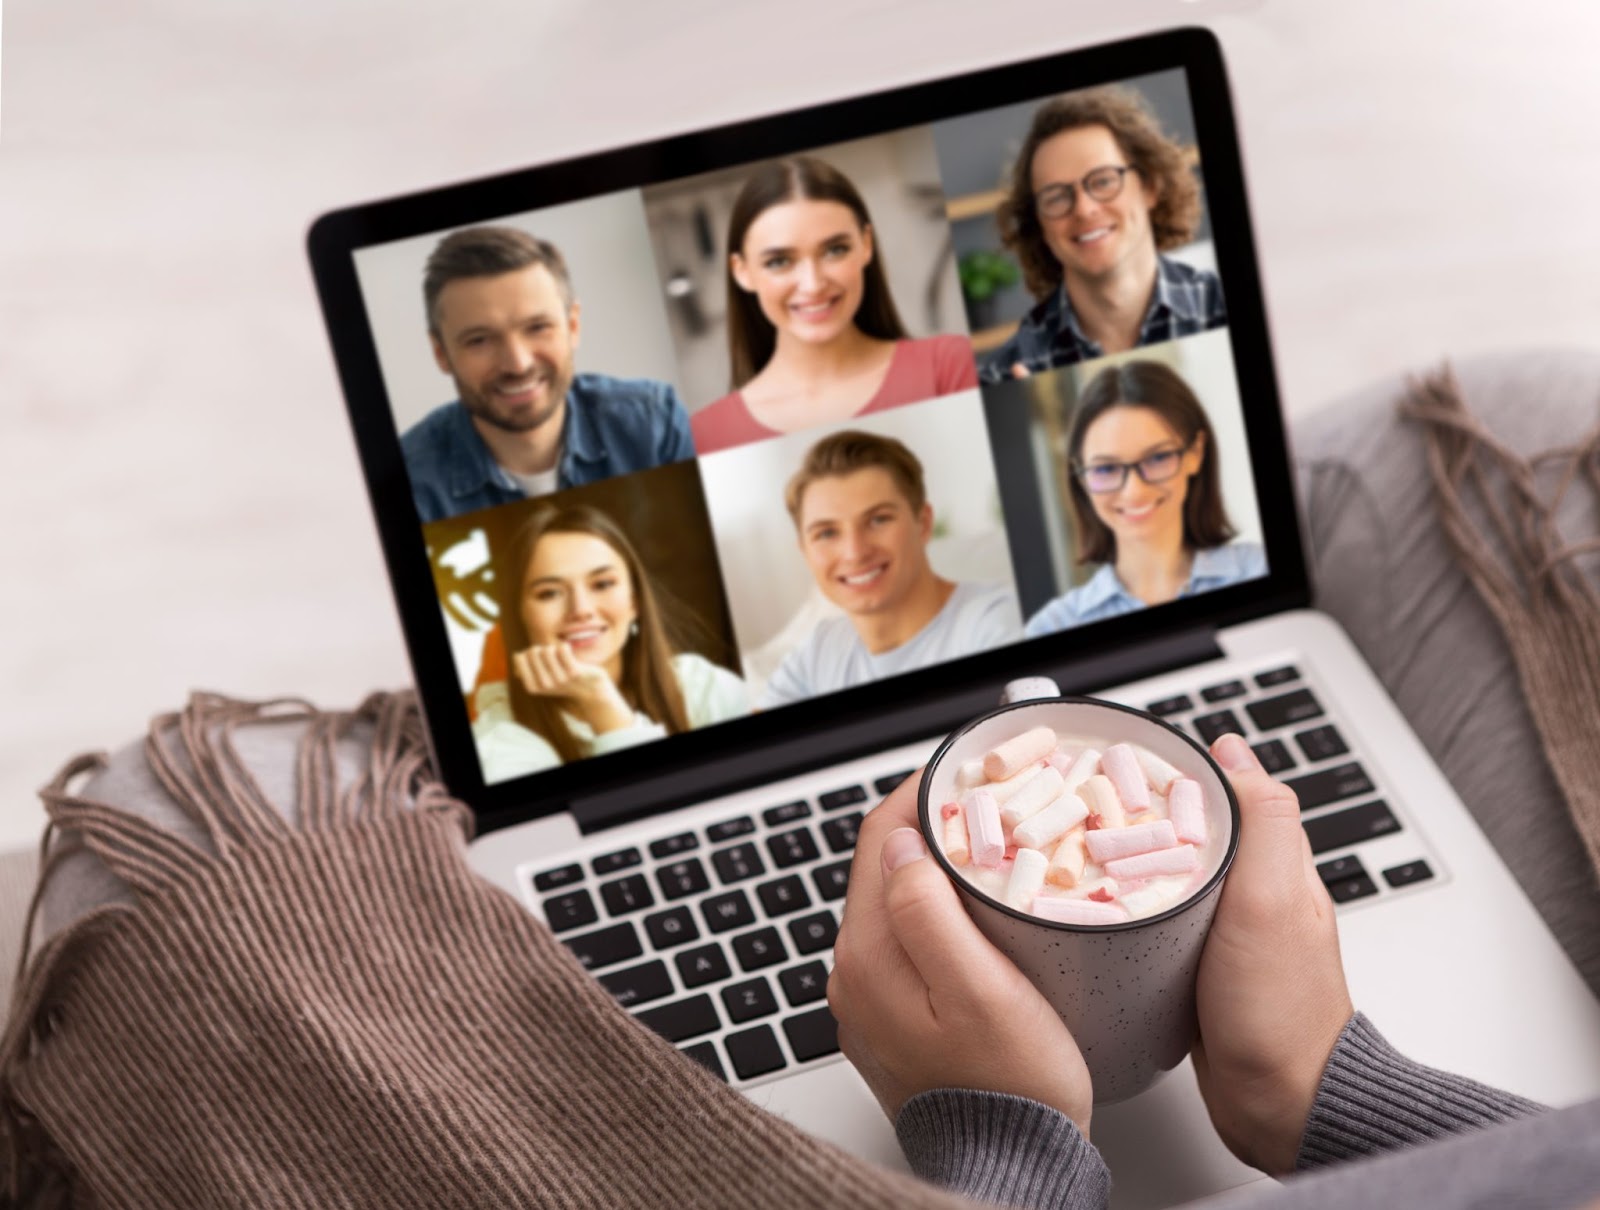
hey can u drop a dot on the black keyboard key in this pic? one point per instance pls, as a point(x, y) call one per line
point(1210, 726)
point(887, 784)
point(1350, 827)
point(805, 984)
point(1341, 868)
point(1270, 713)
point(1170, 705)
point(729, 828)
point(840, 833)
point(610, 863)
point(682, 878)
point(626, 895)
point(639, 984)
point(754, 1052)
point(570, 911)
point(675, 926)
point(792, 848)
point(671, 846)
point(1405, 875)
point(812, 1035)
point(832, 880)
point(838, 800)
point(1222, 692)
point(783, 896)
point(759, 949)
point(731, 910)
point(813, 933)
point(776, 817)
point(607, 946)
point(748, 1000)
point(682, 1018)
point(738, 862)
point(1330, 785)
point(551, 880)
point(703, 964)
point(705, 1054)
point(1321, 743)
point(1277, 676)
point(1274, 756)
point(1347, 889)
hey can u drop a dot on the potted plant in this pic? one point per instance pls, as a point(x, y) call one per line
point(983, 276)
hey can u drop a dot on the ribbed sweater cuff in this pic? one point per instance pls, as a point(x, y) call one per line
point(1372, 1098)
point(1002, 1149)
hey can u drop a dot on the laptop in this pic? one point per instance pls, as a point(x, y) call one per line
point(657, 642)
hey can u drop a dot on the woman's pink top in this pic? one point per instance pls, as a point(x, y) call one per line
point(920, 369)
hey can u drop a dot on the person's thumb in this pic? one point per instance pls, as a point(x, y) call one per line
point(928, 920)
point(1272, 840)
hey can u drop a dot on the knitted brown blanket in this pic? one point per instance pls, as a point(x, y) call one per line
point(341, 1014)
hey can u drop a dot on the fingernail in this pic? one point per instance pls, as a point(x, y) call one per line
point(1236, 756)
point(902, 847)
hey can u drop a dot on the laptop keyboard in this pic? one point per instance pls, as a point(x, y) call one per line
point(720, 938)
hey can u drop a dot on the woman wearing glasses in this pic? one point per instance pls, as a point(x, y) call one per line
point(1097, 194)
point(1146, 499)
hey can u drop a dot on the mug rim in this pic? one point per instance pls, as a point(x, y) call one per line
point(936, 845)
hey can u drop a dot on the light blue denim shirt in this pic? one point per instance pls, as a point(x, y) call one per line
point(1103, 596)
point(614, 426)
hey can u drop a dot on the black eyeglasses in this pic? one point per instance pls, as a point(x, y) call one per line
point(1102, 184)
point(1100, 478)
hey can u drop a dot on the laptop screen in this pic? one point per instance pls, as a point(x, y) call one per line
point(795, 432)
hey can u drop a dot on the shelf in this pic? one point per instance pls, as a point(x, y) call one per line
point(974, 205)
point(992, 338)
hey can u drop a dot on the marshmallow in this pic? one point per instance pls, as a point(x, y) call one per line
point(1186, 810)
point(1005, 791)
point(1059, 761)
point(1159, 772)
point(1027, 878)
point(1040, 791)
point(1077, 911)
point(1066, 865)
point(1122, 767)
point(1180, 860)
point(985, 836)
point(1146, 901)
point(1104, 805)
point(955, 835)
point(970, 775)
point(1050, 824)
point(1007, 758)
point(1108, 844)
point(1083, 768)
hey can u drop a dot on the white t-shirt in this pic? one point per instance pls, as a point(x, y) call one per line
point(977, 617)
point(507, 749)
point(541, 483)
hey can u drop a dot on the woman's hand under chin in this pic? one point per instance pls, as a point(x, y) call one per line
point(587, 690)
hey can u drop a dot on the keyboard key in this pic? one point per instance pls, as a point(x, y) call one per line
point(1277, 676)
point(1405, 875)
point(728, 911)
point(1274, 756)
point(705, 1054)
point(606, 946)
point(748, 1000)
point(841, 833)
point(805, 984)
point(675, 926)
point(703, 964)
point(1350, 827)
point(1170, 705)
point(682, 1018)
point(812, 1035)
point(1321, 743)
point(1341, 868)
point(563, 876)
point(792, 848)
point(610, 863)
point(776, 817)
point(1270, 713)
point(626, 895)
point(682, 878)
point(1330, 785)
point(639, 984)
point(737, 863)
point(671, 846)
point(1209, 726)
point(1347, 889)
point(729, 828)
point(832, 880)
point(887, 784)
point(754, 1052)
point(813, 933)
point(570, 911)
point(1222, 692)
point(759, 949)
point(783, 896)
point(838, 800)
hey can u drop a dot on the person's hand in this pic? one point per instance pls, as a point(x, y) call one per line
point(1020, 370)
point(923, 999)
point(1272, 997)
point(553, 670)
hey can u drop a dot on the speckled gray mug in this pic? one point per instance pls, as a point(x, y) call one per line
point(1126, 991)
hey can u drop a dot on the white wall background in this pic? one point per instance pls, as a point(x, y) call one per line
point(181, 498)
